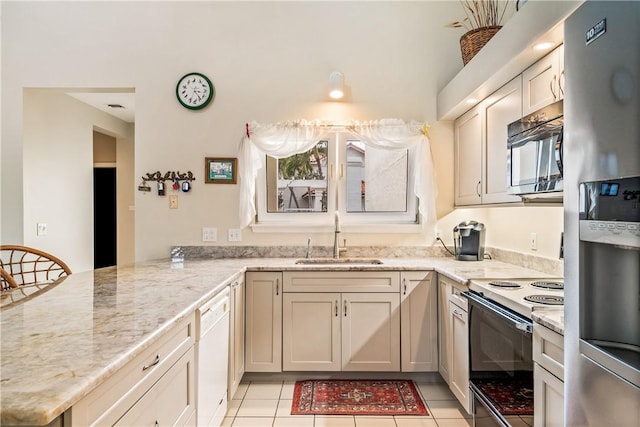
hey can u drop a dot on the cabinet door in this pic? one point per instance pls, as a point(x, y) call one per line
point(311, 332)
point(468, 157)
point(540, 83)
point(459, 368)
point(170, 402)
point(501, 108)
point(370, 332)
point(444, 328)
point(236, 337)
point(419, 322)
point(263, 351)
point(548, 395)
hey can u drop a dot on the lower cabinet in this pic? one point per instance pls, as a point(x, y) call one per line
point(459, 365)
point(169, 401)
point(236, 337)
point(453, 339)
point(263, 334)
point(341, 331)
point(548, 377)
point(419, 321)
point(155, 388)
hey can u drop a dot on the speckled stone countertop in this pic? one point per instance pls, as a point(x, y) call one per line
point(59, 344)
point(552, 319)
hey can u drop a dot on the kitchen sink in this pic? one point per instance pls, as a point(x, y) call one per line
point(316, 261)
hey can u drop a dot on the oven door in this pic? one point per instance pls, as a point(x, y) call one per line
point(501, 363)
point(535, 159)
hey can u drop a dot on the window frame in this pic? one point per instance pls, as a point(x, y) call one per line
point(294, 222)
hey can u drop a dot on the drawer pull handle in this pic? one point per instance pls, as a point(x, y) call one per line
point(154, 363)
point(277, 287)
point(404, 284)
point(345, 308)
point(336, 308)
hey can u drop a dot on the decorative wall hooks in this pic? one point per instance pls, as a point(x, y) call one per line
point(181, 181)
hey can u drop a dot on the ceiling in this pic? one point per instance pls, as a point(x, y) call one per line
point(105, 101)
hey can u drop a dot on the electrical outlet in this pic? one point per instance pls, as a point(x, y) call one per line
point(209, 234)
point(173, 202)
point(533, 241)
point(235, 235)
point(438, 234)
point(42, 229)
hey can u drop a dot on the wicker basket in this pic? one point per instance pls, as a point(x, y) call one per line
point(472, 41)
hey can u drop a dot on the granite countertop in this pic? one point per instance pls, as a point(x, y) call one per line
point(552, 319)
point(59, 343)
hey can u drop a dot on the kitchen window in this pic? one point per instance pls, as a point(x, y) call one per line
point(371, 185)
point(306, 172)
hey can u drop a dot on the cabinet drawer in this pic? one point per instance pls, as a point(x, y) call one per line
point(170, 401)
point(111, 399)
point(548, 350)
point(341, 281)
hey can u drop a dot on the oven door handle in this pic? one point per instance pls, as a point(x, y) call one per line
point(517, 322)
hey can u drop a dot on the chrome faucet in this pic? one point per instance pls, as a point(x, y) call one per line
point(309, 248)
point(336, 248)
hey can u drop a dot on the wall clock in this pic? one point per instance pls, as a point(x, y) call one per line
point(194, 91)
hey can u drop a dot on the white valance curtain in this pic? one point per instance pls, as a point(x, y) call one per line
point(285, 139)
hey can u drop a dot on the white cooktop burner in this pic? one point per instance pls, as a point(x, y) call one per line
point(511, 293)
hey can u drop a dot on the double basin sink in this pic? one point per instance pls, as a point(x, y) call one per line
point(328, 261)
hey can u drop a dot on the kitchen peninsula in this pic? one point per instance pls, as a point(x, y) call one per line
point(59, 345)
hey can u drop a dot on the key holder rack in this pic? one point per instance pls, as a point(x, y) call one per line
point(180, 181)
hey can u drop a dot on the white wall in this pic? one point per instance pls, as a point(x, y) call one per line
point(269, 61)
point(58, 173)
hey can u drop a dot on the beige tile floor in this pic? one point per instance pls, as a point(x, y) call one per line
point(268, 404)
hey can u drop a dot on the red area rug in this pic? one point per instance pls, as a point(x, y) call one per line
point(510, 398)
point(357, 397)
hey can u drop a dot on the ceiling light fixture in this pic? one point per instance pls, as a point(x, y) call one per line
point(336, 83)
point(543, 45)
point(472, 101)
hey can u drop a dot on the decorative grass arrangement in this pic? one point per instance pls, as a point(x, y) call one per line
point(480, 13)
point(482, 22)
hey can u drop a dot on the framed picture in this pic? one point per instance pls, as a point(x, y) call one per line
point(220, 170)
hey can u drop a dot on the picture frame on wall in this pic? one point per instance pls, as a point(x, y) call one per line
point(220, 170)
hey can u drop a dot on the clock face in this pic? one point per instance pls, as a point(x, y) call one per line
point(194, 91)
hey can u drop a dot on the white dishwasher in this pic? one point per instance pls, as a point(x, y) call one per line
point(212, 359)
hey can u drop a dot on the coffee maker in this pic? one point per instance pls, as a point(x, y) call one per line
point(468, 241)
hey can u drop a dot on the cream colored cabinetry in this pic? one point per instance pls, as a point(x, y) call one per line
point(548, 377)
point(236, 337)
point(459, 376)
point(481, 175)
point(419, 321)
point(500, 109)
point(156, 387)
point(445, 289)
point(167, 402)
point(345, 321)
point(468, 157)
point(453, 339)
point(543, 82)
point(263, 335)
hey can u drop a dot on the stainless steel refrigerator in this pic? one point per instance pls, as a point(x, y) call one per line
point(602, 220)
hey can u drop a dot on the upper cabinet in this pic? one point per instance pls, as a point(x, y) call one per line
point(480, 134)
point(481, 175)
point(543, 82)
point(506, 55)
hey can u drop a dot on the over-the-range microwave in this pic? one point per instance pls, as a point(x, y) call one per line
point(534, 159)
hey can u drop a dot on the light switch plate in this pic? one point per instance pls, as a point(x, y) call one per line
point(173, 202)
point(42, 229)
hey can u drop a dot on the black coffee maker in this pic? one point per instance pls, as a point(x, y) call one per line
point(468, 241)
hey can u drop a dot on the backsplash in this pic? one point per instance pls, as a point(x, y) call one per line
point(546, 265)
